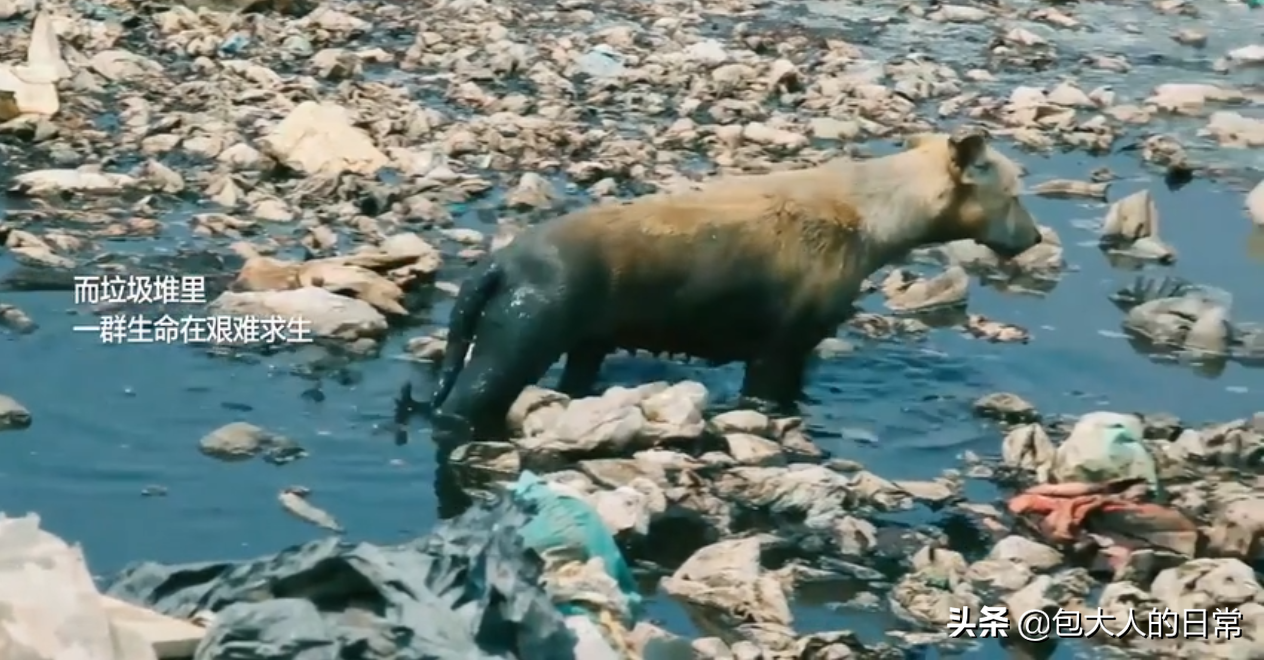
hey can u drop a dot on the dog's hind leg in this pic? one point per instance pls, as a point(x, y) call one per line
point(773, 383)
point(519, 338)
point(583, 367)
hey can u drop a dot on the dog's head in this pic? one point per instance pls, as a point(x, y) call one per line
point(982, 200)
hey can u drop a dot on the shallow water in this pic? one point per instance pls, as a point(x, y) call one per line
point(113, 420)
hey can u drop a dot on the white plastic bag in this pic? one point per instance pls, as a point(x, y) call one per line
point(49, 606)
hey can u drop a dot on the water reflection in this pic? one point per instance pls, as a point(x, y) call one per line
point(1255, 244)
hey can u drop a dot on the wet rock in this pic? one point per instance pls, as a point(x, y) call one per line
point(336, 64)
point(1193, 321)
point(937, 584)
point(629, 510)
point(16, 320)
point(828, 128)
point(117, 65)
point(535, 411)
point(428, 348)
point(834, 645)
point(1246, 56)
point(1006, 407)
point(1064, 589)
point(907, 293)
point(532, 192)
point(1215, 585)
point(652, 465)
point(46, 182)
point(712, 648)
point(1211, 333)
point(726, 586)
point(264, 273)
point(241, 441)
point(1141, 566)
point(749, 449)
point(602, 62)
point(1121, 599)
point(1028, 447)
point(294, 500)
point(1190, 37)
point(608, 423)
point(995, 578)
point(934, 494)
point(1068, 95)
point(1237, 528)
point(833, 347)
point(1233, 130)
point(13, 415)
point(995, 331)
point(357, 281)
point(760, 133)
point(877, 326)
point(1190, 98)
point(812, 493)
point(12, 8)
point(32, 86)
point(675, 412)
point(742, 421)
point(1255, 204)
point(320, 139)
point(1070, 189)
point(1020, 549)
point(790, 433)
point(959, 14)
point(1103, 446)
point(323, 314)
point(1132, 227)
point(1233, 444)
point(1145, 289)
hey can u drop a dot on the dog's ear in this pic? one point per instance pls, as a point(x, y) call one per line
point(966, 145)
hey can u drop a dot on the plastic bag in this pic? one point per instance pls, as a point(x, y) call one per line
point(569, 524)
point(49, 606)
point(1104, 447)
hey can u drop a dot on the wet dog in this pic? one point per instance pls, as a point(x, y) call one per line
point(753, 269)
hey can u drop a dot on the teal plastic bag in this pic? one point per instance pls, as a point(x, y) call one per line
point(563, 523)
point(1106, 446)
point(1124, 448)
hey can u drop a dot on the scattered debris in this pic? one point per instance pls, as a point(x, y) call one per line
point(1132, 228)
point(241, 441)
point(294, 500)
point(13, 416)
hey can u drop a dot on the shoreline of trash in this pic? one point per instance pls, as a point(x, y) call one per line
point(1159, 514)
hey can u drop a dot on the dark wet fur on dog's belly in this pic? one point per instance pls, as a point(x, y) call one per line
point(733, 324)
point(713, 345)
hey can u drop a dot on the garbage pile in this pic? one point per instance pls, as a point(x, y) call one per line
point(1160, 512)
point(531, 573)
point(50, 608)
point(524, 576)
point(740, 510)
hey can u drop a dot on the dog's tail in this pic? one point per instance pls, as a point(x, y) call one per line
point(475, 292)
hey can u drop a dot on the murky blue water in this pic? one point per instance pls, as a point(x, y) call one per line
point(112, 420)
